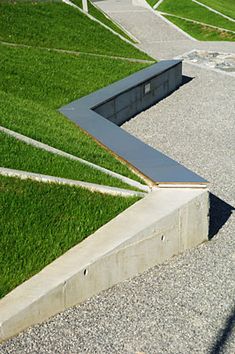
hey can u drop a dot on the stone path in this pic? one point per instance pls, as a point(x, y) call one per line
point(187, 304)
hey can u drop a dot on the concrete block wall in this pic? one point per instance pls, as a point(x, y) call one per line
point(127, 104)
point(162, 225)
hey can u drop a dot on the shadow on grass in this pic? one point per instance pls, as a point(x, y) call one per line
point(220, 212)
point(224, 334)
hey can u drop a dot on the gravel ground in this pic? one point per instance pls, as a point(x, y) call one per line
point(187, 304)
point(183, 306)
point(196, 126)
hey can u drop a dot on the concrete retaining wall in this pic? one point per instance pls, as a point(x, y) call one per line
point(133, 101)
point(100, 113)
point(162, 225)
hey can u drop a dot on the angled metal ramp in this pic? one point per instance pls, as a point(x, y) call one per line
point(101, 113)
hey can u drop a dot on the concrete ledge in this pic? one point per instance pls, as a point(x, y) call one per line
point(93, 187)
point(163, 224)
point(55, 151)
point(100, 114)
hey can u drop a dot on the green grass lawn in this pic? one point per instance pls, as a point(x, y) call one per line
point(34, 83)
point(99, 15)
point(226, 7)
point(39, 222)
point(193, 11)
point(152, 2)
point(57, 25)
point(21, 156)
point(201, 32)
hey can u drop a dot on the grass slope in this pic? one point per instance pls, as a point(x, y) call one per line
point(99, 15)
point(193, 11)
point(39, 222)
point(152, 2)
point(226, 7)
point(202, 32)
point(46, 220)
point(20, 156)
point(37, 82)
point(57, 25)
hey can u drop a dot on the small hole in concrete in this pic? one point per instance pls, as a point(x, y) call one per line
point(162, 238)
point(85, 272)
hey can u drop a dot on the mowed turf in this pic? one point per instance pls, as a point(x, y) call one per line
point(35, 83)
point(226, 7)
point(39, 222)
point(202, 32)
point(21, 156)
point(190, 10)
point(58, 25)
point(152, 2)
point(99, 15)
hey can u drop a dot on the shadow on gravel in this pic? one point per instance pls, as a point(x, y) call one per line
point(220, 212)
point(224, 334)
point(186, 80)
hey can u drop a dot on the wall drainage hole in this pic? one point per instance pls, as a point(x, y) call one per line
point(85, 272)
point(162, 238)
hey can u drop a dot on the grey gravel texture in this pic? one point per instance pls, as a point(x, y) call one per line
point(196, 126)
point(186, 305)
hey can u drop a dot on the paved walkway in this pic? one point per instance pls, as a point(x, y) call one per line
point(187, 304)
point(157, 37)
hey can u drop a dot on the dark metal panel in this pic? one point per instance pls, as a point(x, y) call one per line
point(106, 109)
point(126, 99)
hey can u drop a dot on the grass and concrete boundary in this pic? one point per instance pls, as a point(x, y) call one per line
point(162, 225)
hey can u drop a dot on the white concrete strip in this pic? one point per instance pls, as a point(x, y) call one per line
point(70, 3)
point(213, 10)
point(73, 52)
point(198, 22)
point(162, 225)
point(69, 182)
point(157, 4)
point(53, 150)
point(160, 14)
point(133, 60)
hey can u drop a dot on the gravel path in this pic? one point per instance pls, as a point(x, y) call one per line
point(187, 304)
point(158, 37)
